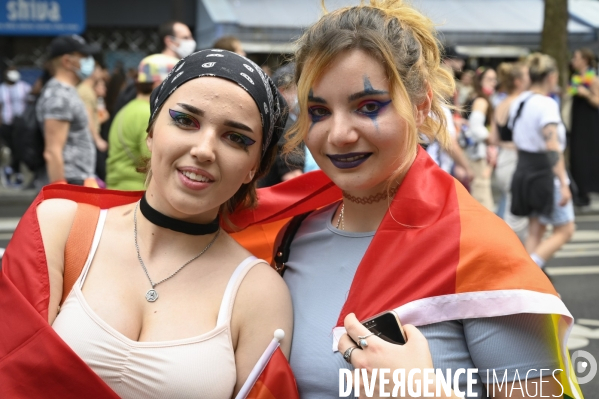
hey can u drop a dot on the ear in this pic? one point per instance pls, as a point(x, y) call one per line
point(149, 141)
point(250, 176)
point(424, 108)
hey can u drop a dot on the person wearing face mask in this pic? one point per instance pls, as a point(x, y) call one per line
point(69, 152)
point(292, 165)
point(90, 99)
point(177, 42)
point(13, 98)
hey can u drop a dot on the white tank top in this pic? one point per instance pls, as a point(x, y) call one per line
point(201, 366)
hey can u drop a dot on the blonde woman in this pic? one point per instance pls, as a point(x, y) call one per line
point(391, 229)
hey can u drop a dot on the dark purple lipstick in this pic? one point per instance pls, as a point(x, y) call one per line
point(349, 160)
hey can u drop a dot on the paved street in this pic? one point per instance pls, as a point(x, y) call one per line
point(574, 271)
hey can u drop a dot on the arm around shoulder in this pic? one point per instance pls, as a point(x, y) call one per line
point(55, 217)
point(263, 305)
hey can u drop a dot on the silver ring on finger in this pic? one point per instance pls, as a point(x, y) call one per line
point(362, 340)
point(347, 353)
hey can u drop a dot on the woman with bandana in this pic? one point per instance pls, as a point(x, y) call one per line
point(164, 303)
point(383, 228)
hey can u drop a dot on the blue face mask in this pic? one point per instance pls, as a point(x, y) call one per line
point(86, 67)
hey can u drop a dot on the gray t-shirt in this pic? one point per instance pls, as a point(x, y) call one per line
point(61, 102)
point(320, 270)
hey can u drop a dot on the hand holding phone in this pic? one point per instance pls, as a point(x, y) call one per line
point(386, 326)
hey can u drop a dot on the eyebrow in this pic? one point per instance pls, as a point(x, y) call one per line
point(238, 125)
point(191, 108)
point(228, 123)
point(313, 99)
point(364, 93)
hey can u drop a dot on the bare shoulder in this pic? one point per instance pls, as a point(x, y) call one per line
point(262, 286)
point(480, 104)
point(55, 217)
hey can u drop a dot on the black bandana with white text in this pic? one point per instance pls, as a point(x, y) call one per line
point(227, 65)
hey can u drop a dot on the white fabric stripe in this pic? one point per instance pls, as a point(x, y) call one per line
point(473, 305)
point(224, 306)
point(482, 304)
point(95, 243)
point(257, 370)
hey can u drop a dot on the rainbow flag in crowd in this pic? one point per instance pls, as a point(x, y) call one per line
point(437, 255)
point(272, 377)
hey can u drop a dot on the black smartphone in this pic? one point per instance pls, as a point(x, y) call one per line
point(386, 326)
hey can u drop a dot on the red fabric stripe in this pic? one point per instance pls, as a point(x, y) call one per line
point(399, 265)
point(276, 380)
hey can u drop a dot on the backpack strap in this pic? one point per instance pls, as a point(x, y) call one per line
point(284, 249)
point(78, 245)
point(520, 107)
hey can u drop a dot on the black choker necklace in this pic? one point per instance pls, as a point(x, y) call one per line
point(180, 226)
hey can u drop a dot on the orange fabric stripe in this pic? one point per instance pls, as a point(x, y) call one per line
point(260, 391)
point(260, 239)
point(487, 264)
point(78, 245)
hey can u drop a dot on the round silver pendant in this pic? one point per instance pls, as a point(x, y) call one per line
point(151, 295)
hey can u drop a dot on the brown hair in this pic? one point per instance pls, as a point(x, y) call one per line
point(245, 197)
point(508, 73)
point(226, 43)
point(477, 84)
point(588, 55)
point(403, 41)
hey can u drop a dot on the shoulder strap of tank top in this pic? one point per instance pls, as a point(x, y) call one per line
point(78, 245)
point(226, 306)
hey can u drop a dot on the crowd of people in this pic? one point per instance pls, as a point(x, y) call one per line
point(160, 293)
point(507, 120)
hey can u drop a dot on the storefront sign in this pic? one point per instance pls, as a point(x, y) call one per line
point(41, 17)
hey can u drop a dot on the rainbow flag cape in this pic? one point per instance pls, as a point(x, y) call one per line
point(34, 361)
point(447, 257)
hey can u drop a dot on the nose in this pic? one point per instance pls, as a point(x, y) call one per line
point(204, 146)
point(342, 132)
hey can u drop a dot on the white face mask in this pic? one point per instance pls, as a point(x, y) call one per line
point(186, 47)
point(13, 76)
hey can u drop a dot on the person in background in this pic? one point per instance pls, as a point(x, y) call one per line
point(177, 41)
point(285, 167)
point(69, 151)
point(87, 92)
point(230, 43)
point(464, 86)
point(103, 118)
point(454, 63)
point(584, 144)
point(479, 112)
point(127, 137)
point(540, 186)
point(13, 98)
point(453, 161)
point(515, 80)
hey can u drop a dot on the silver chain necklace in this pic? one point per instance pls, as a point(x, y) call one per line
point(152, 294)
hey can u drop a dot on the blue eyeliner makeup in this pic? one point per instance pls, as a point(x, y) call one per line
point(241, 139)
point(184, 120)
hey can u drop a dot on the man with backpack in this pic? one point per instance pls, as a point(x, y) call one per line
point(69, 149)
